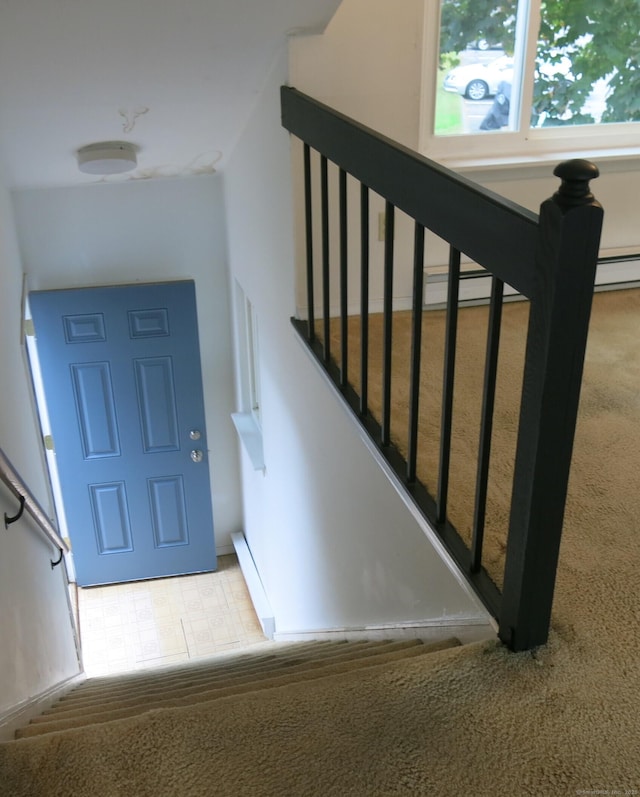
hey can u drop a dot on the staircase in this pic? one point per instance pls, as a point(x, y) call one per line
point(103, 700)
point(273, 719)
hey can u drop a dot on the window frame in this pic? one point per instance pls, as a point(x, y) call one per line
point(523, 146)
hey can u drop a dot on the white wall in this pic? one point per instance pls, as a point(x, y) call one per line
point(37, 649)
point(144, 231)
point(333, 542)
point(367, 65)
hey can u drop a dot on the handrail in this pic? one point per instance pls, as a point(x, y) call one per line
point(400, 175)
point(17, 486)
point(550, 258)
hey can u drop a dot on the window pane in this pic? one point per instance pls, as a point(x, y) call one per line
point(587, 63)
point(476, 75)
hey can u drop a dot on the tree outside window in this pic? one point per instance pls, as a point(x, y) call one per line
point(519, 65)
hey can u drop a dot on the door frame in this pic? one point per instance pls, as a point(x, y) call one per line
point(33, 362)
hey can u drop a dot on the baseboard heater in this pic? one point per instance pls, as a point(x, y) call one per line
point(615, 271)
point(475, 288)
point(254, 584)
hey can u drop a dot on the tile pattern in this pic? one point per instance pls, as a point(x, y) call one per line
point(165, 621)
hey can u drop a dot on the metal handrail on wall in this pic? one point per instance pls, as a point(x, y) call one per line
point(550, 258)
point(26, 500)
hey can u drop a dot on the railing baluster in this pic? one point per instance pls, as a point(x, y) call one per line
point(344, 286)
point(447, 387)
point(486, 427)
point(387, 322)
point(324, 194)
point(416, 350)
point(308, 219)
point(364, 299)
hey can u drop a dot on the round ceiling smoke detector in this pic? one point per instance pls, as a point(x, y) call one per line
point(108, 157)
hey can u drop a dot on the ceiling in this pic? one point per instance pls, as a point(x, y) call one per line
point(176, 78)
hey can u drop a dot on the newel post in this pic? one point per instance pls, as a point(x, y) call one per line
point(566, 260)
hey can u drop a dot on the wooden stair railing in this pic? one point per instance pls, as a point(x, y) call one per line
point(550, 259)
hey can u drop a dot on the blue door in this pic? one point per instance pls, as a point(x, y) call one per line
point(121, 373)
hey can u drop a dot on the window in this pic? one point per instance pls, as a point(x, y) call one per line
point(527, 77)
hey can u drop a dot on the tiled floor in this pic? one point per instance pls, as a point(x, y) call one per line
point(153, 623)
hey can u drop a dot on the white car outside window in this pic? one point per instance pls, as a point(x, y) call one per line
point(478, 81)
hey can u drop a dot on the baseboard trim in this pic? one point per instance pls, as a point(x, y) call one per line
point(466, 630)
point(254, 585)
point(24, 712)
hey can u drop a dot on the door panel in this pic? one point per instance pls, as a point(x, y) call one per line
point(157, 404)
point(111, 517)
point(168, 511)
point(95, 408)
point(121, 373)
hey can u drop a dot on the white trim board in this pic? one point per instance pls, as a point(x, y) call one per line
point(20, 715)
point(254, 585)
point(466, 631)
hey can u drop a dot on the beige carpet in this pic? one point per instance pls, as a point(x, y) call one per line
point(475, 720)
point(470, 355)
point(605, 477)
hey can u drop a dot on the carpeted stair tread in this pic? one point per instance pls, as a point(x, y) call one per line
point(230, 659)
point(184, 682)
point(276, 679)
point(256, 656)
point(198, 671)
point(184, 679)
point(303, 669)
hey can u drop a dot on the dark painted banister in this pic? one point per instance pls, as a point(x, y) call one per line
point(566, 261)
point(456, 209)
point(552, 260)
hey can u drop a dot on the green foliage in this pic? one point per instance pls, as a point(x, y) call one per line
point(603, 37)
point(470, 20)
point(600, 37)
point(448, 111)
point(449, 61)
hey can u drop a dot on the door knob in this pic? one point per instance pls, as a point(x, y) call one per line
point(197, 455)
